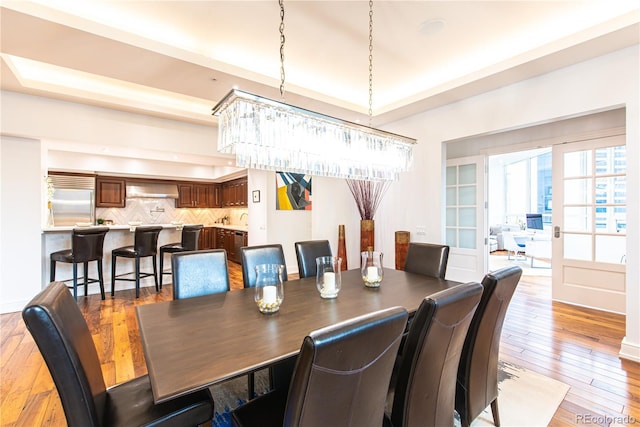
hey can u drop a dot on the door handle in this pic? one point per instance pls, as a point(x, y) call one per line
point(556, 231)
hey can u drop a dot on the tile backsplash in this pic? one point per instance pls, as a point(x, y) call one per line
point(163, 211)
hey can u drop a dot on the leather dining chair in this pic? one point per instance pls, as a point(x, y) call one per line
point(64, 340)
point(341, 377)
point(86, 245)
point(427, 259)
point(189, 242)
point(145, 244)
point(477, 383)
point(306, 254)
point(197, 273)
point(424, 383)
point(251, 256)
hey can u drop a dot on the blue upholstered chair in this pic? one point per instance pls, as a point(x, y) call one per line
point(197, 273)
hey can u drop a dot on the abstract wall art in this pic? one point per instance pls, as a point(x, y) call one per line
point(293, 191)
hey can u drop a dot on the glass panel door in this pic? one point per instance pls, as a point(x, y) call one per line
point(465, 219)
point(590, 223)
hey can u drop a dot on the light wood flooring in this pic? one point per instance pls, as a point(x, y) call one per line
point(574, 345)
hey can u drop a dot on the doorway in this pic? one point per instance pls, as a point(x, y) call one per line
point(519, 210)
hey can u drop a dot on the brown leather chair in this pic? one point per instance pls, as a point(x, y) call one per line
point(306, 254)
point(424, 385)
point(188, 242)
point(197, 273)
point(251, 256)
point(86, 246)
point(427, 259)
point(477, 385)
point(63, 337)
point(145, 244)
point(341, 376)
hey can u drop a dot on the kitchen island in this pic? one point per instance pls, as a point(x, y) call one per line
point(59, 238)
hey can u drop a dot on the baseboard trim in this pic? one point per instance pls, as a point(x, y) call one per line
point(629, 350)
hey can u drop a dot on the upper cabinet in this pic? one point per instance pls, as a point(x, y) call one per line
point(234, 193)
point(110, 192)
point(195, 195)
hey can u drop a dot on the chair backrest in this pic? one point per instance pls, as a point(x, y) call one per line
point(478, 371)
point(255, 255)
point(145, 240)
point(190, 236)
point(306, 254)
point(425, 386)
point(427, 259)
point(343, 371)
point(197, 273)
point(87, 243)
point(63, 337)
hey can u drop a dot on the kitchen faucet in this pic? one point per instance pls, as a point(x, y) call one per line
point(243, 214)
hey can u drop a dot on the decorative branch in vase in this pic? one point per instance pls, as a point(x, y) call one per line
point(367, 195)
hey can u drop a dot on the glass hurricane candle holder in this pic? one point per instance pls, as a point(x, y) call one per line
point(269, 289)
point(328, 277)
point(371, 267)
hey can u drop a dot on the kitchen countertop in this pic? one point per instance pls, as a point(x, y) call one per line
point(230, 227)
point(127, 227)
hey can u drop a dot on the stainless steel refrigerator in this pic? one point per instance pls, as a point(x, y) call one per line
point(73, 200)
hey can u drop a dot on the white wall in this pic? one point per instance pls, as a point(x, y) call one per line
point(21, 186)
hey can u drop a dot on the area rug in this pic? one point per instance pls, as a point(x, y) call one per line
point(526, 398)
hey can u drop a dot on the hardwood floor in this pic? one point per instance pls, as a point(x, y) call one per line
point(574, 345)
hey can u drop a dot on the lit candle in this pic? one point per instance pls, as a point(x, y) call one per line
point(269, 294)
point(372, 274)
point(329, 281)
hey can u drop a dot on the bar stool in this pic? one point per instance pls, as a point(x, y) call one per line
point(86, 245)
point(145, 244)
point(189, 242)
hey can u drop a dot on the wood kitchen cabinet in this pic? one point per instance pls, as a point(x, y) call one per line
point(207, 239)
point(220, 233)
point(217, 196)
point(231, 241)
point(234, 193)
point(110, 192)
point(192, 195)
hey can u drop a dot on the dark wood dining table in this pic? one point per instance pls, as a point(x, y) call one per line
point(194, 343)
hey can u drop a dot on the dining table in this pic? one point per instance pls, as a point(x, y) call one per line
point(190, 344)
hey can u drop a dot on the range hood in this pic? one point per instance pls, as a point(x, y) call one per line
point(152, 191)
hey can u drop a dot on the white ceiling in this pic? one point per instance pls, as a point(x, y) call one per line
point(178, 58)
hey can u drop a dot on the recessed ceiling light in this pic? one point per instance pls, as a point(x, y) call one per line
point(431, 27)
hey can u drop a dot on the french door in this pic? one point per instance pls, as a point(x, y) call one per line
point(465, 220)
point(589, 223)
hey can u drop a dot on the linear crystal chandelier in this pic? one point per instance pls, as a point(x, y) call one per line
point(268, 134)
